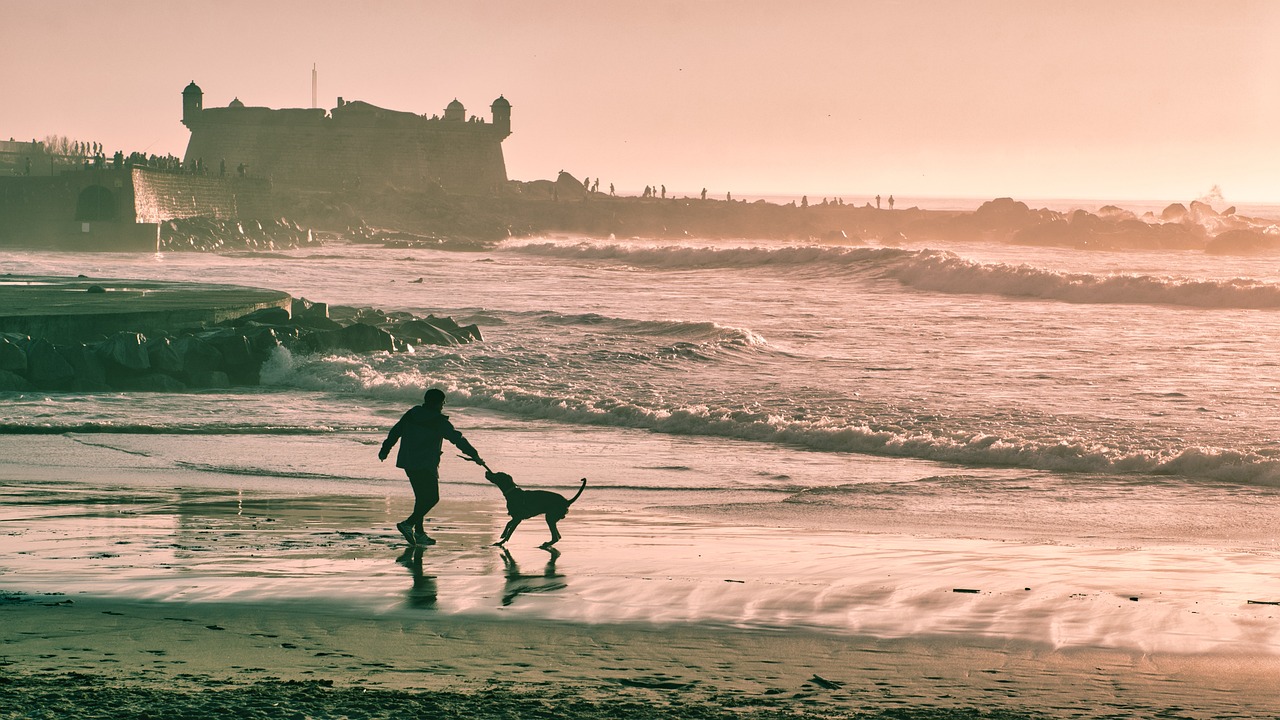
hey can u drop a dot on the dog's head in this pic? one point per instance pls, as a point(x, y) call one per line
point(501, 479)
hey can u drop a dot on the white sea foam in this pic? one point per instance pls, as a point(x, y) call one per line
point(362, 375)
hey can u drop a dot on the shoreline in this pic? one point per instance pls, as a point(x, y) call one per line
point(184, 649)
point(140, 592)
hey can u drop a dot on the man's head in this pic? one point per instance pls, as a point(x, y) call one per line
point(433, 398)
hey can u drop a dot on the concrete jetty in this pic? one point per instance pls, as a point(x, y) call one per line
point(74, 309)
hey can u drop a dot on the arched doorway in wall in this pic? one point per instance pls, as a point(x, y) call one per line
point(95, 203)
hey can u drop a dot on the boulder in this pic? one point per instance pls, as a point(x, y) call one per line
point(303, 308)
point(467, 333)
point(262, 340)
point(1241, 242)
point(196, 354)
point(91, 374)
point(358, 338)
point(211, 379)
point(151, 382)
point(423, 332)
point(233, 346)
point(1177, 212)
point(265, 316)
point(12, 382)
point(125, 351)
point(12, 357)
point(164, 356)
point(47, 369)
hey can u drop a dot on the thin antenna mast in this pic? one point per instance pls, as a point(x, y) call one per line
point(314, 103)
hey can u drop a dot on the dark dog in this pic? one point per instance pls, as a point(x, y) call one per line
point(524, 504)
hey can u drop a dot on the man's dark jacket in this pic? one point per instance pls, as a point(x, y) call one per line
point(421, 433)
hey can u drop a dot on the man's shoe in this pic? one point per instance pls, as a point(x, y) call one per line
point(421, 538)
point(406, 530)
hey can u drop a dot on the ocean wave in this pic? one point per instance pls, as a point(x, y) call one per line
point(515, 397)
point(160, 428)
point(938, 271)
point(690, 331)
point(945, 272)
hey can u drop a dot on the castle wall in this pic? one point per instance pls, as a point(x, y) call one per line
point(398, 149)
point(163, 196)
point(118, 209)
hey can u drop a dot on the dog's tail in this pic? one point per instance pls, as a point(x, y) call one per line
point(575, 496)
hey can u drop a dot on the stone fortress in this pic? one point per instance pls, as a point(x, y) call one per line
point(353, 144)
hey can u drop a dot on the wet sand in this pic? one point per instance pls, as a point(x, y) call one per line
point(154, 589)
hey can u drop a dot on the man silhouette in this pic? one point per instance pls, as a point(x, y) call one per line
point(421, 433)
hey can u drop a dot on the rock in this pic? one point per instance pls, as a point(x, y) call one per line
point(12, 357)
point(469, 332)
point(95, 289)
point(1202, 211)
point(126, 351)
point(164, 356)
point(262, 340)
point(358, 338)
point(150, 382)
point(197, 355)
point(424, 332)
point(1241, 242)
point(91, 374)
point(265, 316)
point(47, 369)
point(233, 346)
point(444, 323)
point(12, 382)
point(1176, 212)
point(211, 379)
point(304, 308)
point(1002, 208)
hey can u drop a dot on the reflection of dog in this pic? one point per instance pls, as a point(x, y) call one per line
point(524, 504)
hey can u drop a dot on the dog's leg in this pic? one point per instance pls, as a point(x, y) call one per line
point(555, 534)
point(506, 532)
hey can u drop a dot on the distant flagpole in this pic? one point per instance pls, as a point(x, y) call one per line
point(314, 103)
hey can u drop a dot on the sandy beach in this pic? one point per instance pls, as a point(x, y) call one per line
point(185, 591)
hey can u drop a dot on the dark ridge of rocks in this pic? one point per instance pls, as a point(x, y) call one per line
point(205, 234)
point(212, 357)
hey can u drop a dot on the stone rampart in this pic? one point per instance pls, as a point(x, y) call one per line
point(160, 196)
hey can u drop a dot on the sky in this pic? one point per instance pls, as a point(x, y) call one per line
point(1139, 99)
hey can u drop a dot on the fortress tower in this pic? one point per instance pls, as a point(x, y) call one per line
point(354, 144)
point(192, 102)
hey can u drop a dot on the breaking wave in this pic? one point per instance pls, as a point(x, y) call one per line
point(970, 448)
point(936, 271)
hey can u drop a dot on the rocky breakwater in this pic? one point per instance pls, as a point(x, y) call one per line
point(217, 355)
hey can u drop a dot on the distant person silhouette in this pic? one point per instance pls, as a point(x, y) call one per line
point(611, 188)
point(421, 433)
point(877, 202)
point(704, 193)
point(890, 202)
point(664, 192)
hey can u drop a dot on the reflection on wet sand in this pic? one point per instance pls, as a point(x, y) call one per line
point(519, 583)
point(423, 593)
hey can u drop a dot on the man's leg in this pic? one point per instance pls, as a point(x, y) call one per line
point(426, 493)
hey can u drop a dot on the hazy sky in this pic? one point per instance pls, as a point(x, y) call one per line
point(1154, 99)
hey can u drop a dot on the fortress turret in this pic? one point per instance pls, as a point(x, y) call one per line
point(455, 111)
point(501, 110)
point(192, 103)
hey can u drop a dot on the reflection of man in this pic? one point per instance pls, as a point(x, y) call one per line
point(423, 592)
point(421, 433)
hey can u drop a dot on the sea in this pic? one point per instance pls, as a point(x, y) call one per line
point(966, 389)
